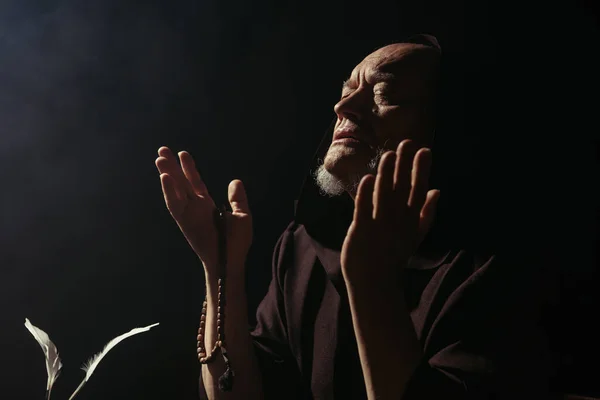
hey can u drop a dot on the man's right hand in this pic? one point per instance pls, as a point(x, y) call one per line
point(190, 204)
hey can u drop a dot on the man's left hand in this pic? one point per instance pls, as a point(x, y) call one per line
point(392, 214)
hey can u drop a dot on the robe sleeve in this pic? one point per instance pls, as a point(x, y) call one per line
point(279, 370)
point(485, 343)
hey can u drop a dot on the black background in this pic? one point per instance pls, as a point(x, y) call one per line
point(90, 90)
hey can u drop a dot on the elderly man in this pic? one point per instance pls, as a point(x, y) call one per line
point(363, 303)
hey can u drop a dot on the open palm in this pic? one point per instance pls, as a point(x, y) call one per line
point(193, 209)
point(393, 212)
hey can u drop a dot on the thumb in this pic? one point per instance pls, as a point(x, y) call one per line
point(428, 214)
point(237, 198)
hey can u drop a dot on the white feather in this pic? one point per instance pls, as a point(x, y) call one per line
point(53, 364)
point(93, 362)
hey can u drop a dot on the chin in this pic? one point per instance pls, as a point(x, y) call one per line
point(343, 161)
point(343, 168)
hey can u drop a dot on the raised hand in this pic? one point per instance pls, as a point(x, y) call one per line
point(392, 214)
point(192, 207)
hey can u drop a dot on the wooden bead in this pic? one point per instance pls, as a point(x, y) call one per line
point(203, 357)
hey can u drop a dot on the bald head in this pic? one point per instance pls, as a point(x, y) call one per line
point(404, 51)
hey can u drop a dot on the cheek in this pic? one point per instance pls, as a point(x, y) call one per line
point(390, 127)
point(393, 126)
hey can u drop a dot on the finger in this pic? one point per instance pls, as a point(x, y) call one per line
point(171, 199)
point(383, 200)
point(363, 203)
point(191, 173)
point(402, 173)
point(164, 151)
point(172, 167)
point(428, 213)
point(237, 197)
point(163, 166)
point(420, 180)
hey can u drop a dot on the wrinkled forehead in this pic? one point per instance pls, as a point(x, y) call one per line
point(400, 58)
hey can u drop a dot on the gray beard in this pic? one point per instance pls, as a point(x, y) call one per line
point(332, 186)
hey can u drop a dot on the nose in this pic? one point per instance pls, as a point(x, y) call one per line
point(351, 107)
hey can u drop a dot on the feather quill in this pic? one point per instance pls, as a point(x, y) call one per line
point(90, 366)
point(53, 363)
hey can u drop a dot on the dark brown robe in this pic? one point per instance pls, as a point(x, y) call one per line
point(474, 311)
point(471, 314)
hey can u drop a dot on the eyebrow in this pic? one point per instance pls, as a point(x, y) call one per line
point(377, 76)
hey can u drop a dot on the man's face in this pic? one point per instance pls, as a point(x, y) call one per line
point(388, 98)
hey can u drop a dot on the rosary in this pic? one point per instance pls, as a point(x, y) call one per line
point(226, 380)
